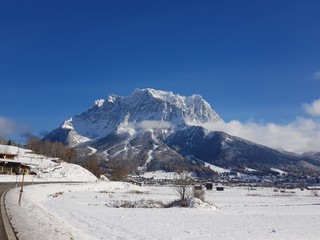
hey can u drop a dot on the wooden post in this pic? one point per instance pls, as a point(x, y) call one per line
point(17, 180)
point(21, 190)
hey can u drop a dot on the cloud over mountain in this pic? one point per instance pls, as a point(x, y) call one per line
point(300, 135)
point(153, 124)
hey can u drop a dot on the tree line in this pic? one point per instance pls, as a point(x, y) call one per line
point(52, 149)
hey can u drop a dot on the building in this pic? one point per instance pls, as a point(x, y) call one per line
point(9, 161)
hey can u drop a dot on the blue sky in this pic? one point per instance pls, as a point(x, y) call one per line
point(253, 61)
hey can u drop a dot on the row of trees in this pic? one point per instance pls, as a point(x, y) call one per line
point(52, 149)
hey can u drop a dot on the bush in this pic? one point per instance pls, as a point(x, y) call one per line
point(178, 203)
point(199, 193)
point(190, 203)
point(136, 204)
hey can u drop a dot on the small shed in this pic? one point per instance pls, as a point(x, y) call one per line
point(209, 185)
point(219, 188)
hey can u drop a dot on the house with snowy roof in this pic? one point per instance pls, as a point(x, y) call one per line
point(9, 160)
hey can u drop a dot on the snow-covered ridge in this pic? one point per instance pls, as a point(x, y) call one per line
point(194, 106)
point(170, 97)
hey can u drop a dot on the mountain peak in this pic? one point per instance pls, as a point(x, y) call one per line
point(159, 94)
point(196, 109)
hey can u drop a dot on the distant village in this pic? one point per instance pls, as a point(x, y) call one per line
point(234, 179)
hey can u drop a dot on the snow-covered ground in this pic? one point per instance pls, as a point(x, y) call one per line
point(64, 172)
point(91, 211)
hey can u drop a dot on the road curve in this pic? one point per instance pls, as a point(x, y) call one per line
point(7, 185)
point(3, 233)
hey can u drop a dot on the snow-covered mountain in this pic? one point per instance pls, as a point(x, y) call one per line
point(153, 130)
point(144, 108)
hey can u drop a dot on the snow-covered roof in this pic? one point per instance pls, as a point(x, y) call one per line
point(7, 149)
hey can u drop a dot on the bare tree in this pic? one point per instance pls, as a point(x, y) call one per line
point(183, 185)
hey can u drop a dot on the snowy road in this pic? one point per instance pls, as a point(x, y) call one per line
point(3, 188)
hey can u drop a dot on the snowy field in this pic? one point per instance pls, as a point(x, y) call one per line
point(91, 211)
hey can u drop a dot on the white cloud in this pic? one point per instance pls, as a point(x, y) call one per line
point(316, 75)
point(9, 127)
point(301, 135)
point(313, 109)
point(6, 126)
point(153, 124)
